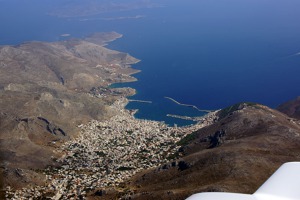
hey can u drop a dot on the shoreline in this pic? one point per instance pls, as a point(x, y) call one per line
point(107, 152)
point(100, 160)
point(135, 71)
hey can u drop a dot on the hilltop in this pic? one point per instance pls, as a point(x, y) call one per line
point(235, 154)
point(291, 108)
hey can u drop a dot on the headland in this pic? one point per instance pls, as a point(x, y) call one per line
point(73, 132)
point(47, 89)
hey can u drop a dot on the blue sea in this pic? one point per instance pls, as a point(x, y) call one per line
point(208, 53)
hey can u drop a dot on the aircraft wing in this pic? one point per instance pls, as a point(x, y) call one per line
point(221, 196)
point(284, 184)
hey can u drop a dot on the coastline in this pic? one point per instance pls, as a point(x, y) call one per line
point(95, 157)
point(99, 160)
point(54, 97)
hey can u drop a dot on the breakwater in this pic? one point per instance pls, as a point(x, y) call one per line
point(141, 101)
point(188, 105)
point(183, 117)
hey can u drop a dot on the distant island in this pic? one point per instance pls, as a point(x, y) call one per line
point(90, 8)
point(65, 35)
point(113, 18)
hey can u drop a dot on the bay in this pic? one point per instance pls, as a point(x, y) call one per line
point(207, 53)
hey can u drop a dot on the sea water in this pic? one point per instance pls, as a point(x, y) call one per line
point(206, 53)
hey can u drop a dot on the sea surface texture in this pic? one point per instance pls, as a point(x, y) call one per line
point(210, 54)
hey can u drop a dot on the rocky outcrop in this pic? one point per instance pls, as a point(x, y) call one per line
point(216, 139)
point(51, 128)
point(291, 108)
point(183, 165)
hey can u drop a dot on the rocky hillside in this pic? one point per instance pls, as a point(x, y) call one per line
point(46, 91)
point(236, 154)
point(291, 108)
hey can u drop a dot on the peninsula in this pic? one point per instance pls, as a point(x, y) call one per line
point(47, 89)
point(64, 132)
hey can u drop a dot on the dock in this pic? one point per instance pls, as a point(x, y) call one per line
point(140, 101)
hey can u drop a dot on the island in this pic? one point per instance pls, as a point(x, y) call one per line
point(47, 89)
point(64, 131)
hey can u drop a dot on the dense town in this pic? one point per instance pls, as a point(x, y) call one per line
point(107, 153)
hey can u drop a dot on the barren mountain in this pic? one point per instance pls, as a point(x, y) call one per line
point(291, 108)
point(46, 91)
point(235, 154)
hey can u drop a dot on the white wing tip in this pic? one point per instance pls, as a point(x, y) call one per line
point(282, 185)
